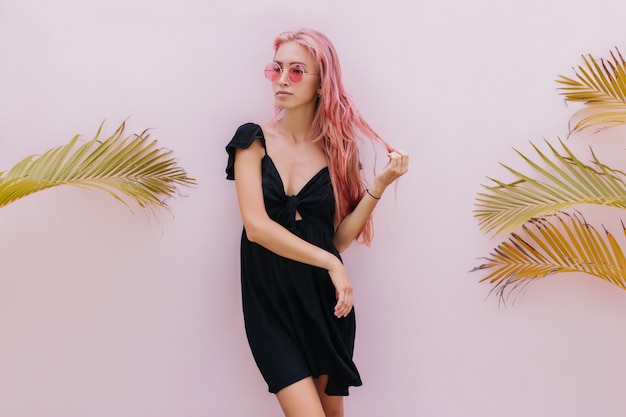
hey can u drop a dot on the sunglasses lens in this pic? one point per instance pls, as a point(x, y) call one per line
point(296, 73)
point(272, 71)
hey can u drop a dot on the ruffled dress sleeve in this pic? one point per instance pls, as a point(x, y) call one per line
point(245, 135)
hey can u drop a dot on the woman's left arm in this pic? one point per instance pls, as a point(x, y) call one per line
point(354, 222)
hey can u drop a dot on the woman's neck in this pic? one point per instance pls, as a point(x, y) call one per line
point(296, 124)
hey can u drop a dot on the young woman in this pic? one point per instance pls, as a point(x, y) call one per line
point(303, 200)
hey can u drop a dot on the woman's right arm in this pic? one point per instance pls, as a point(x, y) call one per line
point(274, 237)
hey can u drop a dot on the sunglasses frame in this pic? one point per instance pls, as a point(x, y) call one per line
point(272, 74)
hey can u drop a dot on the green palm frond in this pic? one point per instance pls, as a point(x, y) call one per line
point(601, 86)
point(131, 166)
point(566, 182)
point(555, 245)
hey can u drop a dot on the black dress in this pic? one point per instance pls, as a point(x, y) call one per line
point(288, 306)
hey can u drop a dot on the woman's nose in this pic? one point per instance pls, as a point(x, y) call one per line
point(284, 76)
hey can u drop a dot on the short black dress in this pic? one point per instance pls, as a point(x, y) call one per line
point(288, 306)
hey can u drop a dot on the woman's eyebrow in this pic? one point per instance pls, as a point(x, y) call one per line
point(291, 63)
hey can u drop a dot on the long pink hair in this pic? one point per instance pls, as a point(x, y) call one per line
point(337, 124)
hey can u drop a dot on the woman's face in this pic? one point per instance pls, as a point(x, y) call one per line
point(298, 83)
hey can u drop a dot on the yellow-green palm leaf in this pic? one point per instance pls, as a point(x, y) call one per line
point(554, 245)
point(601, 86)
point(565, 181)
point(133, 166)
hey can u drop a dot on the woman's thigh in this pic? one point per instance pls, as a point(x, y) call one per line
point(332, 404)
point(301, 399)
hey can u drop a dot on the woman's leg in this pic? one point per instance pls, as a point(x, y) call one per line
point(301, 399)
point(332, 404)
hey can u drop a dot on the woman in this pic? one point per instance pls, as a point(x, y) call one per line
point(303, 200)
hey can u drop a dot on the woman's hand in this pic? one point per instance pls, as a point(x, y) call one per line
point(343, 290)
point(397, 166)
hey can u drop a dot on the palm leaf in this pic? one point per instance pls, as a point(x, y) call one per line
point(601, 86)
point(566, 182)
point(554, 245)
point(132, 166)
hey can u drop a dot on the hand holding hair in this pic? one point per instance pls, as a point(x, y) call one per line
point(397, 166)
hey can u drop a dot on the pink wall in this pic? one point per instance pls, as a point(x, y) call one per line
point(105, 313)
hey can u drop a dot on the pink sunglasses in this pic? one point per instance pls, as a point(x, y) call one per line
point(273, 70)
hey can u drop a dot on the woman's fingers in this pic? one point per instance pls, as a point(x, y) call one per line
point(397, 166)
point(399, 160)
point(343, 290)
point(345, 302)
